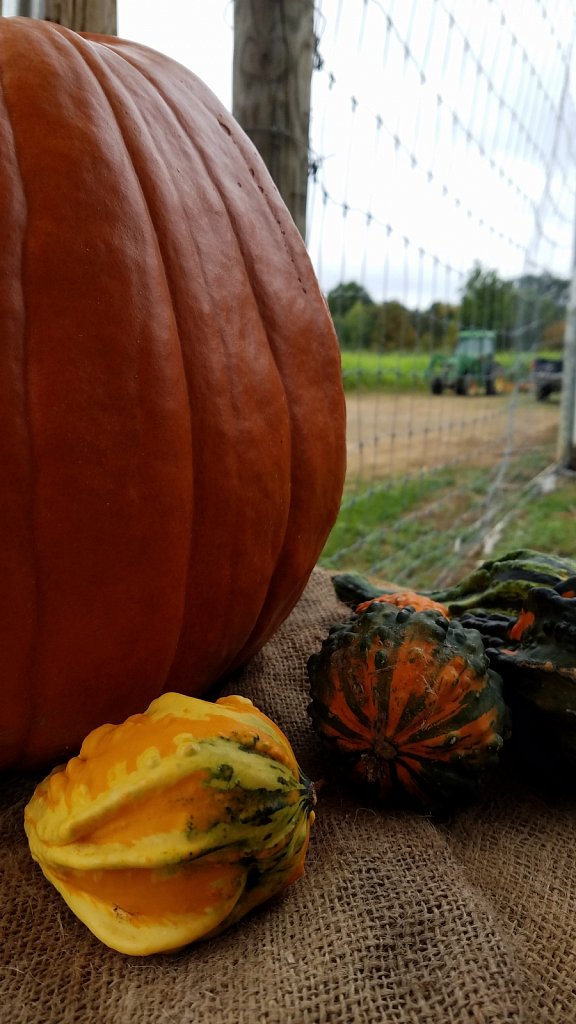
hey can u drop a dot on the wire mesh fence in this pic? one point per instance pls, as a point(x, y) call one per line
point(440, 223)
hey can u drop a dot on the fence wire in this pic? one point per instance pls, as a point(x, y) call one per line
point(441, 198)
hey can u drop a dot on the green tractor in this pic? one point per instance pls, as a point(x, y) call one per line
point(470, 368)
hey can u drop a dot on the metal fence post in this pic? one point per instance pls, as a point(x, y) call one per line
point(567, 427)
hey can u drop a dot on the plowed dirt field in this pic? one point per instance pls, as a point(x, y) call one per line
point(390, 435)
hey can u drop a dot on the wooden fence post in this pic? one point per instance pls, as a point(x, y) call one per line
point(24, 8)
point(97, 16)
point(271, 83)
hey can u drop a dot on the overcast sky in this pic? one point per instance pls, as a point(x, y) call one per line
point(444, 132)
point(198, 33)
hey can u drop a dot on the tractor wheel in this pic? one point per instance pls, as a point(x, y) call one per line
point(496, 382)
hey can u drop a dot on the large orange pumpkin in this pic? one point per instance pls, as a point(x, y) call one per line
point(171, 411)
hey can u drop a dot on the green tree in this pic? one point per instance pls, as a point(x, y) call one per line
point(553, 334)
point(436, 326)
point(356, 325)
point(344, 296)
point(541, 303)
point(555, 289)
point(393, 330)
point(519, 311)
point(488, 302)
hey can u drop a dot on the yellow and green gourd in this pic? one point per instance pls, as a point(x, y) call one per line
point(172, 826)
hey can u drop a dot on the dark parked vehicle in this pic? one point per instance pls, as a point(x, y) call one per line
point(546, 377)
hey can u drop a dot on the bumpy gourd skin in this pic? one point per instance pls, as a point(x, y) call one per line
point(407, 702)
point(537, 662)
point(170, 827)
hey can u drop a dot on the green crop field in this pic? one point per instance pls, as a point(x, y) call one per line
point(406, 371)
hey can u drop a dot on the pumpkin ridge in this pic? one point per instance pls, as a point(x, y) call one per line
point(132, 599)
point(65, 502)
point(285, 555)
point(238, 141)
point(90, 55)
point(20, 734)
point(244, 251)
point(82, 44)
point(281, 552)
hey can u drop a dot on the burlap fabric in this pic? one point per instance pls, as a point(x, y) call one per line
point(399, 919)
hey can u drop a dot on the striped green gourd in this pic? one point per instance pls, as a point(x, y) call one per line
point(408, 705)
point(499, 584)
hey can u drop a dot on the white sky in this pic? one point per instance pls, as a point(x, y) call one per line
point(198, 33)
point(411, 191)
point(442, 198)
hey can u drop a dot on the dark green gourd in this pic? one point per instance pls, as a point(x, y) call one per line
point(500, 584)
point(538, 669)
point(408, 705)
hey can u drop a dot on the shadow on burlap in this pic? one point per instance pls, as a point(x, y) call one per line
point(398, 920)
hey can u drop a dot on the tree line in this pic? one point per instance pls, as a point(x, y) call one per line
point(525, 313)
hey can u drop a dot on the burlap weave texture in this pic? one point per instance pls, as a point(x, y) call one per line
point(398, 920)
